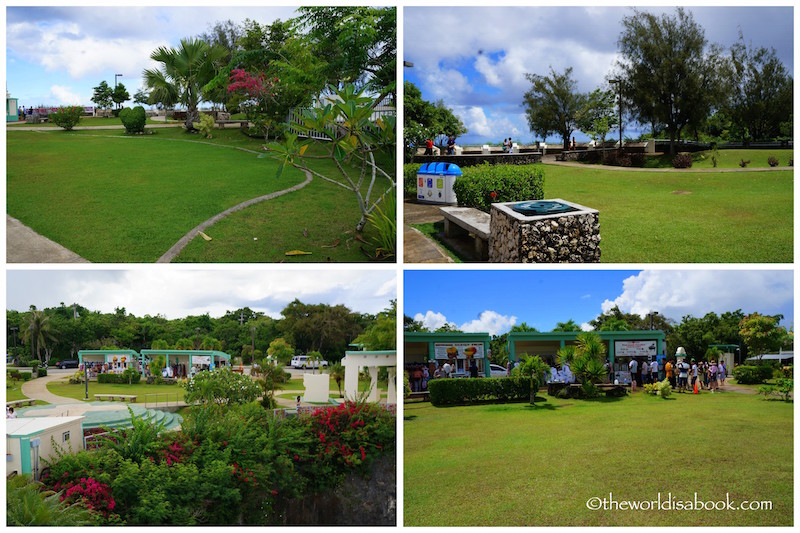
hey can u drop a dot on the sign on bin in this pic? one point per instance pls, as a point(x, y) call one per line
point(435, 183)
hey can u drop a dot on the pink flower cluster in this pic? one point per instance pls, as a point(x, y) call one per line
point(253, 86)
point(95, 495)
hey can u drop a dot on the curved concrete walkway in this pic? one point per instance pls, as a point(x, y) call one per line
point(79, 128)
point(23, 245)
point(36, 389)
point(173, 252)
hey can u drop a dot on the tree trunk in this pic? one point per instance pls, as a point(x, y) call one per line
point(672, 141)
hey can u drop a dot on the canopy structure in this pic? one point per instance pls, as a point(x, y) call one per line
point(352, 363)
point(773, 357)
point(212, 358)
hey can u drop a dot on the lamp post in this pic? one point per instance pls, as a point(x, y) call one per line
point(196, 338)
point(651, 319)
point(618, 83)
point(115, 80)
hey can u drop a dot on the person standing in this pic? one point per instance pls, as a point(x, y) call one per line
point(633, 367)
point(451, 145)
point(510, 146)
point(447, 369)
point(425, 376)
point(683, 376)
point(473, 369)
point(722, 372)
point(505, 145)
point(669, 370)
point(694, 374)
point(428, 146)
point(654, 371)
point(712, 376)
point(645, 371)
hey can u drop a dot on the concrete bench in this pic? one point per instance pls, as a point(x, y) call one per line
point(424, 396)
point(122, 397)
point(468, 221)
point(17, 403)
point(222, 123)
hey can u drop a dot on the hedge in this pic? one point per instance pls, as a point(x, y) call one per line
point(508, 183)
point(41, 372)
point(119, 378)
point(752, 374)
point(26, 376)
point(463, 391)
point(410, 179)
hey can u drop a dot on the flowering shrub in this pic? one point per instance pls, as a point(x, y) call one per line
point(221, 386)
point(95, 496)
point(258, 94)
point(66, 117)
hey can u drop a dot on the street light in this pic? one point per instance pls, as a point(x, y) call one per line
point(408, 64)
point(115, 80)
point(651, 319)
point(619, 86)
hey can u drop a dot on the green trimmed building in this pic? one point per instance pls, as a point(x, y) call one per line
point(458, 348)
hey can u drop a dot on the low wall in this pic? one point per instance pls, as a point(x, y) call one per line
point(467, 160)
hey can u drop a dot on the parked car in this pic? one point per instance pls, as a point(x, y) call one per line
point(497, 371)
point(67, 363)
point(304, 361)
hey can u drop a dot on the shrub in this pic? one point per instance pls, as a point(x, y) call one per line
point(773, 161)
point(133, 119)
point(41, 372)
point(221, 387)
point(482, 185)
point(744, 162)
point(638, 160)
point(66, 117)
point(664, 389)
point(791, 162)
point(205, 126)
point(129, 376)
point(471, 390)
point(26, 376)
point(410, 179)
point(15, 375)
point(682, 161)
point(752, 374)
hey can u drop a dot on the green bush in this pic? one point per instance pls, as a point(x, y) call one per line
point(66, 117)
point(482, 185)
point(205, 126)
point(664, 389)
point(26, 376)
point(41, 372)
point(133, 119)
point(410, 179)
point(744, 162)
point(752, 374)
point(783, 387)
point(773, 161)
point(682, 161)
point(470, 390)
point(128, 376)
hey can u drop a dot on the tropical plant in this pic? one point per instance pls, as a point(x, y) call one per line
point(136, 443)
point(336, 370)
point(66, 117)
point(183, 73)
point(205, 126)
point(157, 364)
point(352, 140)
point(314, 361)
point(536, 370)
point(272, 378)
point(28, 504)
point(38, 331)
point(384, 221)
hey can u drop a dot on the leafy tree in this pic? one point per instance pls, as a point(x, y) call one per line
point(280, 350)
point(354, 138)
point(382, 334)
point(314, 360)
point(615, 324)
point(669, 74)
point(336, 370)
point(586, 358)
point(141, 97)
point(553, 104)
point(120, 95)
point(761, 333)
point(523, 327)
point(221, 387)
point(760, 93)
point(569, 325)
point(409, 324)
point(425, 120)
point(183, 73)
point(102, 95)
point(597, 116)
point(272, 378)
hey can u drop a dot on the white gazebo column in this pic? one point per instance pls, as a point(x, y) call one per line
point(391, 393)
point(374, 396)
point(350, 380)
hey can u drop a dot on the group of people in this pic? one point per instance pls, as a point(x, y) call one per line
point(682, 376)
point(508, 145)
point(451, 146)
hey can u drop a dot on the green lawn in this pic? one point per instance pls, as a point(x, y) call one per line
point(514, 465)
point(62, 388)
point(664, 217)
point(726, 158)
point(116, 198)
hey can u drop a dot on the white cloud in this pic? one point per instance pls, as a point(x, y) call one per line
point(64, 96)
point(585, 326)
point(479, 123)
point(491, 322)
point(677, 293)
point(432, 320)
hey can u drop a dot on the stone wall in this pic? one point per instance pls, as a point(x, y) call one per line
point(466, 160)
point(566, 238)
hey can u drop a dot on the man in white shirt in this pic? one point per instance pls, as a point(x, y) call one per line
point(683, 376)
point(446, 369)
point(633, 366)
point(645, 372)
point(654, 371)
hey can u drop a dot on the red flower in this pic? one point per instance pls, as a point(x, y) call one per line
point(493, 195)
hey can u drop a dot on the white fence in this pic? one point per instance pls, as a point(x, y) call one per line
point(381, 110)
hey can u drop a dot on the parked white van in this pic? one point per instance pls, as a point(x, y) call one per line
point(304, 361)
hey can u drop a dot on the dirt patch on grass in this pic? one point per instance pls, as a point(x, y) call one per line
point(681, 192)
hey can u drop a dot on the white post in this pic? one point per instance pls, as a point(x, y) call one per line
point(391, 393)
point(350, 380)
point(373, 385)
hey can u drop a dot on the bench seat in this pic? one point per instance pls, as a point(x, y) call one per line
point(468, 220)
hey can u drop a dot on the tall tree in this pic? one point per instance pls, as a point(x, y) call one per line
point(762, 333)
point(760, 92)
point(39, 332)
point(102, 95)
point(669, 74)
point(598, 115)
point(120, 95)
point(569, 325)
point(553, 104)
point(183, 73)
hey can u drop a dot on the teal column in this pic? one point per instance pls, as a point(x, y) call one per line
point(80, 359)
point(25, 455)
point(512, 352)
point(611, 352)
point(563, 343)
point(431, 352)
point(167, 361)
point(487, 370)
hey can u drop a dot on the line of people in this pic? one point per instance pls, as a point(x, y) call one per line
point(682, 376)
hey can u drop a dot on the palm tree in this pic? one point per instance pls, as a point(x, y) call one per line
point(39, 331)
point(566, 355)
point(336, 370)
point(184, 72)
point(536, 370)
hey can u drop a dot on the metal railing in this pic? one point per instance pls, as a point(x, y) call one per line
point(296, 116)
point(170, 399)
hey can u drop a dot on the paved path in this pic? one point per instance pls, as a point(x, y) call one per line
point(23, 245)
point(551, 160)
point(37, 389)
point(78, 128)
point(417, 248)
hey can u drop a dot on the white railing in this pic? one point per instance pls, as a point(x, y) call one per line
point(296, 116)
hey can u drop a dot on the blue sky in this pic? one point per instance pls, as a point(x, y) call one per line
point(493, 301)
point(475, 59)
point(56, 55)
